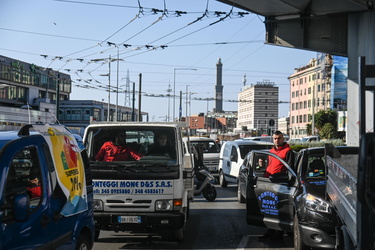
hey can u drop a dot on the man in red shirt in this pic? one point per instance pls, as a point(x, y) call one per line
point(34, 190)
point(283, 150)
point(117, 150)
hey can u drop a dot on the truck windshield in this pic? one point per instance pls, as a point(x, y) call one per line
point(132, 149)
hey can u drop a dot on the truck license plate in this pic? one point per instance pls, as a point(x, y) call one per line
point(129, 219)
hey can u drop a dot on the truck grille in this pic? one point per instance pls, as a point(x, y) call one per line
point(129, 204)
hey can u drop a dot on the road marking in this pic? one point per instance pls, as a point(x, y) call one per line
point(243, 243)
point(245, 240)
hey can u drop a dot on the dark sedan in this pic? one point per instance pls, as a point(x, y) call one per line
point(292, 202)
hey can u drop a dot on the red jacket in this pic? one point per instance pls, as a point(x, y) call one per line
point(111, 152)
point(274, 165)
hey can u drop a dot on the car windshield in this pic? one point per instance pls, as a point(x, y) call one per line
point(132, 149)
point(208, 146)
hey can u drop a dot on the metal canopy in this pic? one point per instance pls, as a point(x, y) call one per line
point(316, 25)
point(279, 8)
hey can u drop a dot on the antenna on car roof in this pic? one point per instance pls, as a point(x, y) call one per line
point(25, 130)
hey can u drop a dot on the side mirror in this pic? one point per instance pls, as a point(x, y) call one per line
point(21, 206)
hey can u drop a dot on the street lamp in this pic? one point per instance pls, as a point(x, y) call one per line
point(188, 101)
point(174, 87)
point(118, 59)
point(109, 81)
point(186, 115)
point(109, 89)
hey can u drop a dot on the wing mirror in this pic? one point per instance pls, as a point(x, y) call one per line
point(21, 207)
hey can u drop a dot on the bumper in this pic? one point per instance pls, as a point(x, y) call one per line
point(316, 238)
point(148, 222)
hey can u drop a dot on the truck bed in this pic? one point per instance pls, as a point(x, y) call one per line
point(342, 188)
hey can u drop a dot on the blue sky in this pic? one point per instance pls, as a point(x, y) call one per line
point(190, 34)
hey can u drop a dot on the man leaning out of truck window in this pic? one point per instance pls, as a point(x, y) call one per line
point(117, 150)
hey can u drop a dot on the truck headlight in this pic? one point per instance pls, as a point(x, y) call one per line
point(316, 204)
point(164, 205)
point(98, 205)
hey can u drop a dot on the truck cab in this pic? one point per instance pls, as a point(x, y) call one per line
point(146, 193)
point(46, 194)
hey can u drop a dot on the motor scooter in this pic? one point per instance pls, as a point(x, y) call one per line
point(203, 177)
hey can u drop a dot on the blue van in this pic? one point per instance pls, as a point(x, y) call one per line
point(46, 198)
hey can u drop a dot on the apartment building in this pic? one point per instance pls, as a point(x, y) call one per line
point(257, 105)
point(319, 85)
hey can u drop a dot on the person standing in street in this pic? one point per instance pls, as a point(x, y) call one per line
point(283, 150)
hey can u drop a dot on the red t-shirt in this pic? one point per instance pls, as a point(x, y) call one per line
point(111, 152)
point(274, 165)
point(34, 192)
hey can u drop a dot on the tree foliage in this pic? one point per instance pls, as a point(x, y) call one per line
point(328, 131)
point(325, 116)
point(321, 119)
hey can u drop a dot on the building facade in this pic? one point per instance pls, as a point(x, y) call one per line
point(258, 105)
point(283, 125)
point(320, 85)
point(33, 94)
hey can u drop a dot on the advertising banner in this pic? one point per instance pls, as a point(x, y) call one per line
point(68, 166)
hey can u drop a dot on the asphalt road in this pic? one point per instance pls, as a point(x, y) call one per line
point(212, 225)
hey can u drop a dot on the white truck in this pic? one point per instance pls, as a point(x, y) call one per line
point(350, 183)
point(147, 195)
point(341, 190)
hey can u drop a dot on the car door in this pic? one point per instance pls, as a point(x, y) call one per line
point(270, 201)
point(236, 162)
point(22, 158)
point(243, 175)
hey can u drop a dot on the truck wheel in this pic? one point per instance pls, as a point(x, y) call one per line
point(83, 243)
point(222, 180)
point(240, 197)
point(97, 233)
point(298, 244)
point(178, 234)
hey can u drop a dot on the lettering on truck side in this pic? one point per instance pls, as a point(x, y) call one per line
point(133, 187)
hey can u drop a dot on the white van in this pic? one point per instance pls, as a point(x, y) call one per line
point(232, 154)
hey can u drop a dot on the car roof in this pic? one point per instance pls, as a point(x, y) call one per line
point(8, 135)
point(194, 138)
point(132, 124)
point(250, 142)
point(11, 135)
point(341, 149)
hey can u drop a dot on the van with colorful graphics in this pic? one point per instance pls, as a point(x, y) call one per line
point(142, 177)
point(46, 198)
